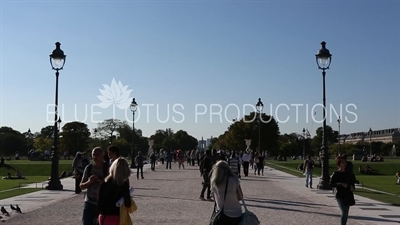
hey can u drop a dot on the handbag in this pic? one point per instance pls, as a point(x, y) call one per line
point(218, 216)
point(248, 218)
point(349, 198)
point(124, 218)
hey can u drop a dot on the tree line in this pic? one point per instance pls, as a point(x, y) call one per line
point(76, 136)
point(262, 129)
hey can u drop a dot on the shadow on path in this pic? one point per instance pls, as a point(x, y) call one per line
point(358, 218)
point(282, 202)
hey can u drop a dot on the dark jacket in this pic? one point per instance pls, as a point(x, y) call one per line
point(139, 160)
point(109, 195)
point(343, 177)
point(206, 165)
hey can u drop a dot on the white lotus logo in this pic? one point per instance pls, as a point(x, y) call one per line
point(116, 94)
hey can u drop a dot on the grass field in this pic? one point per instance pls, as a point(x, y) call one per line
point(33, 171)
point(382, 179)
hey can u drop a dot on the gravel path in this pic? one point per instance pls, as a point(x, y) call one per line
point(171, 197)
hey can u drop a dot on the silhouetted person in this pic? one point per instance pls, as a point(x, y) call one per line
point(349, 166)
point(139, 159)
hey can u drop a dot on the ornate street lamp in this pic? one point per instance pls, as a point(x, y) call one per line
point(28, 137)
point(370, 142)
point(304, 143)
point(133, 153)
point(259, 107)
point(59, 123)
point(57, 62)
point(339, 121)
point(323, 59)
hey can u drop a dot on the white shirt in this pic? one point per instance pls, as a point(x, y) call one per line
point(246, 157)
point(231, 204)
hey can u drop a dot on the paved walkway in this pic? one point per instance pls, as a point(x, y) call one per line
point(171, 197)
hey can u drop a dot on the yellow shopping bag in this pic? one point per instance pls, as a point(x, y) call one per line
point(124, 218)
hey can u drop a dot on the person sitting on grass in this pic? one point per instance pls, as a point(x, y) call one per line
point(368, 169)
point(19, 175)
point(9, 177)
point(398, 177)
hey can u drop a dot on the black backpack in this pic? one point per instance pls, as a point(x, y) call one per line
point(310, 164)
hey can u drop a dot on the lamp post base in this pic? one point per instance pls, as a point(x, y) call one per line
point(323, 186)
point(55, 185)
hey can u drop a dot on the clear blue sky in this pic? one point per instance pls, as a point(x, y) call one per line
point(201, 52)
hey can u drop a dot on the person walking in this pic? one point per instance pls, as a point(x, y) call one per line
point(227, 193)
point(344, 182)
point(234, 164)
point(139, 159)
point(168, 156)
point(246, 163)
point(260, 164)
point(114, 187)
point(162, 156)
point(153, 160)
point(205, 170)
point(78, 167)
point(308, 168)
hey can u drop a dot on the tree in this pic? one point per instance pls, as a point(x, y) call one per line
point(108, 128)
point(12, 141)
point(43, 143)
point(124, 147)
point(47, 132)
point(331, 137)
point(213, 143)
point(184, 141)
point(158, 137)
point(248, 128)
point(75, 136)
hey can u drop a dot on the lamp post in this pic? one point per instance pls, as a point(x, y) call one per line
point(339, 121)
point(370, 142)
point(59, 131)
point(133, 153)
point(28, 137)
point(259, 107)
point(323, 59)
point(304, 143)
point(57, 61)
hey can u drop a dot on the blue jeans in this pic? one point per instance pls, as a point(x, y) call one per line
point(89, 216)
point(309, 174)
point(345, 211)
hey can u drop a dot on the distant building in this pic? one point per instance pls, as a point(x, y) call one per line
point(208, 142)
point(201, 144)
point(386, 136)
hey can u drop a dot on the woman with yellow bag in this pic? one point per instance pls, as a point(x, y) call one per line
point(116, 186)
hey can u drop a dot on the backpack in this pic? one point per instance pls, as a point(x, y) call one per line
point(310, 164)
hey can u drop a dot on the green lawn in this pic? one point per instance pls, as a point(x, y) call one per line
point(382, 180)
point(33, 171)
point(10, 184)
point(33, 168)
point(16, 192)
